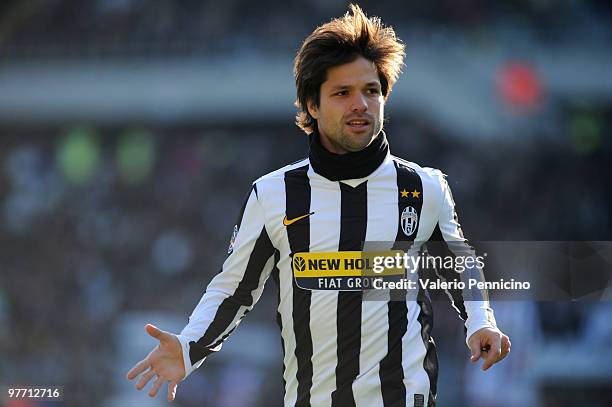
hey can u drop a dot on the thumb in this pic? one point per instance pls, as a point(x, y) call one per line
point(156, 333)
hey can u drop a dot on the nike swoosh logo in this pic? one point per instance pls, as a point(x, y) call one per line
point(288, 222)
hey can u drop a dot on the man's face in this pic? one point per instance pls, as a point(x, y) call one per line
point(351, 107)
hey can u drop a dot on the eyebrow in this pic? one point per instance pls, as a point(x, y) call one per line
point(373, 83)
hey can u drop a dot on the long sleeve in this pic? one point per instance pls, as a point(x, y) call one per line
point(472, 305)
point(233, 292)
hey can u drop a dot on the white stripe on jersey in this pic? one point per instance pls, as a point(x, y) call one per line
point(325, 203)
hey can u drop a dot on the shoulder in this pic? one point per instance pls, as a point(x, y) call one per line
point(276, 178)
point(427, 174)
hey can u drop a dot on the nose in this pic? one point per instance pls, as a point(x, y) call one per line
point(359, 103)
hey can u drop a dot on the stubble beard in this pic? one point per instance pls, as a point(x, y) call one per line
point(349, 142)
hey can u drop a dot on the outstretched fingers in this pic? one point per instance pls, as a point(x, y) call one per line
point(171, 390)
point(156, 386)
point(164, 363)
point(145, 379)
point(139, 368)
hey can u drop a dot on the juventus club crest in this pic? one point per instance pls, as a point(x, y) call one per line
point(409, 220)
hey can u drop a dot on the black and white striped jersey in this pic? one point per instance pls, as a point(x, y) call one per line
point(339, 348)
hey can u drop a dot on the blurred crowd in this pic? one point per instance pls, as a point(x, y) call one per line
point(100, 222)
point(132, 28)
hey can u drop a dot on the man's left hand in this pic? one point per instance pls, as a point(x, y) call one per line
point(490, 344)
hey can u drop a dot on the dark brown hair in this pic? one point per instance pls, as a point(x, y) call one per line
point(341, 41)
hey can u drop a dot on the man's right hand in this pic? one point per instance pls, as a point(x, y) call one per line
point(165, 362)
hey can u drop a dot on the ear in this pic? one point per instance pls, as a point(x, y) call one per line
point(313, 109)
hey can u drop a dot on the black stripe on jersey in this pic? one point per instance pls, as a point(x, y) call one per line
point(243, 296)
point(353, 225)
point(391, 368)
point(409, 181)
point(297, 194)
point(276, 277)
point(440, 248)
point(430, 362)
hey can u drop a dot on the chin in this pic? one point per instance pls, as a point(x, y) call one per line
point(353, 148)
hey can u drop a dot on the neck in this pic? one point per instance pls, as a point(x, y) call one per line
point(330, 145)
point(336, 166)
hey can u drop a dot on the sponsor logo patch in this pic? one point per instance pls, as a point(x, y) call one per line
point(345, 271)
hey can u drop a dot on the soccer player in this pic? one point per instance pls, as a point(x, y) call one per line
point(339, 348)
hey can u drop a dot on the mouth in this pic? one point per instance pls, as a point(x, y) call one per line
point(358, 124)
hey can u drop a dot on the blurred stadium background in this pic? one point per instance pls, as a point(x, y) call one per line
point(130, 131)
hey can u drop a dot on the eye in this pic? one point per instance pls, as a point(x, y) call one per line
point(341, 93)
point(373, 91)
